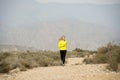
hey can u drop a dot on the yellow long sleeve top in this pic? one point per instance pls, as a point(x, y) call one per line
point(62, 45)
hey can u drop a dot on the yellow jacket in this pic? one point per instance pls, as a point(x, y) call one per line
point(62, 45)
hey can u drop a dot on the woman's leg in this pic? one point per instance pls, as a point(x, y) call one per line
point(64, 55)
point(61, 56)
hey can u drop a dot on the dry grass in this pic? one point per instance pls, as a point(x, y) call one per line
point(28, 60)
point(108, 54)
point(24, 61)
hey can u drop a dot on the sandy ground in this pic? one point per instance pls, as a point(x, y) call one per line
point(73, 70)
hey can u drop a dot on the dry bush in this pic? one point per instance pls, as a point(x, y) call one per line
point(9, 62)
point(114, 59)
point(24, 61)
point(109, 54)
point(73, 54)
point(102, 50)
point(98, 59)
point(28, 60)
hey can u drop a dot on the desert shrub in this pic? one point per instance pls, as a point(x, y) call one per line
point(108, 54)
point(113, 60)
point(99, 58)
point(102, 50)
point(105, 49)
point(24, 61)
point(28, 60)
point(78, 50)
point(4, 67)
point(113, 64)
point(4, 55)
point(8, 63)
point(72, 54)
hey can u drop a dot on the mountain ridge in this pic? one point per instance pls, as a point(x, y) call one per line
point(17, 48)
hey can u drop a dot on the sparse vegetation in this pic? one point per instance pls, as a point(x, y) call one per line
point(28, 60)
point(72, 54)
point(108, 54)
point(24, 61)
point(77, 52)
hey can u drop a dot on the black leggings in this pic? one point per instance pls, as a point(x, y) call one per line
point(62, 55)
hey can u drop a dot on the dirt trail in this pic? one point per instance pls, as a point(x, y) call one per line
point(73, 70)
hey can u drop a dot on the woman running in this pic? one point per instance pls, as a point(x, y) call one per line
point(62, 44)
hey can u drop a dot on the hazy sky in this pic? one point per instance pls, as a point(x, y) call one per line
point(34, 22)
point(80, 1)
